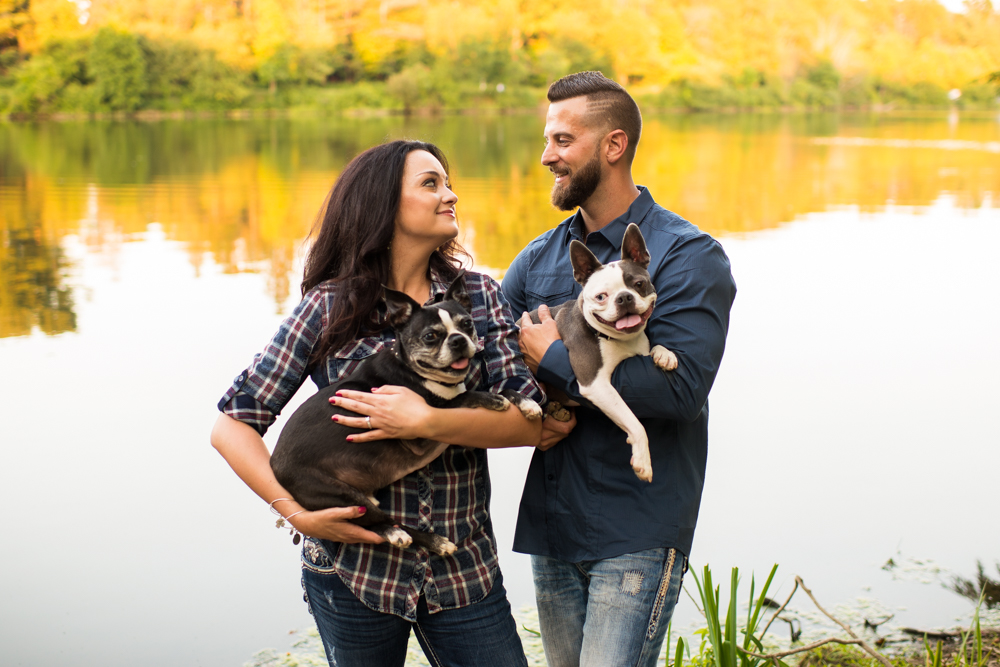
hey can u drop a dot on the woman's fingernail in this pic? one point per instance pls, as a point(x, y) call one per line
point(337, 394)
point(334, 418)
point(362, 509)
point(349, 438)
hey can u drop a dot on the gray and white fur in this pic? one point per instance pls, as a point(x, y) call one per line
point(606, 325)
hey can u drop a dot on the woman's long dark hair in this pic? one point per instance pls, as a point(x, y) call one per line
point(352, 236)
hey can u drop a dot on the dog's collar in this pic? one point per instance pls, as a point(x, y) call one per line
point(597, 333)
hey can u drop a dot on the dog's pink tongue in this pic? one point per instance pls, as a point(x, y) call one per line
point(460, 364)
point(628, 322)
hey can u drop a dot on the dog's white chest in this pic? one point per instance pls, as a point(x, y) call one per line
point(613, 352)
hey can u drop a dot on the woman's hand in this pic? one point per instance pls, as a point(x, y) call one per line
point(395, 412)
point(333, 524)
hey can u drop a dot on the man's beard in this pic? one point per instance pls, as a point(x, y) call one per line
point(581, 185)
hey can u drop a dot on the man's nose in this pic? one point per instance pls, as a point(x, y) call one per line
point(549, 155)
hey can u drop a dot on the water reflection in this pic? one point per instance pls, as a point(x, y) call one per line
point(33, 293)
point(246, 192)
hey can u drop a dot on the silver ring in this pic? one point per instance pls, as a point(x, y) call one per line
point(369, 420)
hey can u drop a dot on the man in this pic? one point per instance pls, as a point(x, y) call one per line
point(609, 550)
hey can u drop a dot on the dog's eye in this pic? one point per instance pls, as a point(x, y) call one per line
point(466, 326)
point(601, 297)
point(430, 337)
point(639, 284)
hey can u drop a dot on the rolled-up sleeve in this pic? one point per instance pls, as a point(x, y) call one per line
point(261, 391)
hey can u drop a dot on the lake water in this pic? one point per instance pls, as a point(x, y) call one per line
point(142, 265)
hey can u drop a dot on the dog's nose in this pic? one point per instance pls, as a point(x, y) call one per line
point(457, 342)
point(624, 299)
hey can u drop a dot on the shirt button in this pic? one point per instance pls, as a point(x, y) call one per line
point(551, 477)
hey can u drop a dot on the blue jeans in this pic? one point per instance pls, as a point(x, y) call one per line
point(607, 613)
point(483, 633)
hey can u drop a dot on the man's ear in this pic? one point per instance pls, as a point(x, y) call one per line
point(616, 146)
point(634, 246)
point(401, 307)
point(584, 261)
point(457, 292)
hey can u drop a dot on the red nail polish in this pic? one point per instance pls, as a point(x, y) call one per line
point(337, 394)
point(362, 509)
point(334, 418)
point(349, 438)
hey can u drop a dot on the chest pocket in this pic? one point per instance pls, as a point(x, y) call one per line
point(550, 289)
point(345, 361)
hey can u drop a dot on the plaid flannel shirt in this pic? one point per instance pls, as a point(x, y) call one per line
point(450, 496)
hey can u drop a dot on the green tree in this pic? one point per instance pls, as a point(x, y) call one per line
point(117, 65)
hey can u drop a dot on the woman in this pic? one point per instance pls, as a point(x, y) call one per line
point(390, 220)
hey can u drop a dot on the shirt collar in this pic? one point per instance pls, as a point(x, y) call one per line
point(614, 231)
point(438, 286)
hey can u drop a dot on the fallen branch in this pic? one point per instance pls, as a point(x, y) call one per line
point(862, 643)
point(781, 608)
point(935, 634)
point(801, 649)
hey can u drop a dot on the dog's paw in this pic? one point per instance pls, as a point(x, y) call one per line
point(642, 467)
point(442, 546)
point(556, 410)
point(664, 358)
point(398, 537)
point(529, 409)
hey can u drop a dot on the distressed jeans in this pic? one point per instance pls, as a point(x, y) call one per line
point(607, 613)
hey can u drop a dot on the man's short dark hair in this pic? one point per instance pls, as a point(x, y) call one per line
point(608, 104)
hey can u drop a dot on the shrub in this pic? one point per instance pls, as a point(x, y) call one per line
point(858, 91)
point(117, 65)
point(40, 81)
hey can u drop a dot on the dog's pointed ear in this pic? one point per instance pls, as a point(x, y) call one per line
point(584, 261)
point(634, 246)
point(401, 307)
point(457, 292)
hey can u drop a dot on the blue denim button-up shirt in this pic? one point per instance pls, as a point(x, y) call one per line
point(581, 500)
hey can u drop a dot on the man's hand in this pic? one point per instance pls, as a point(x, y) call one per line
point(535, 339)
point(554, 430)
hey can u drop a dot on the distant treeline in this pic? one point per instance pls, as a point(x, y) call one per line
point(60, 57)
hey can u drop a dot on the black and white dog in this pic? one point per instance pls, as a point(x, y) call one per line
point(315, 463)
point(606, 325)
